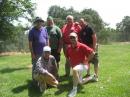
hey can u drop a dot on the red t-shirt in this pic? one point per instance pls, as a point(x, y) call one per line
point(67, 29)
point(78, 54)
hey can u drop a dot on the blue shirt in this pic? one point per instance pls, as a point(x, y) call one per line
point(39, 39)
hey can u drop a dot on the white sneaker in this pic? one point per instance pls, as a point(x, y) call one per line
point(73, 93)
point(95, 78)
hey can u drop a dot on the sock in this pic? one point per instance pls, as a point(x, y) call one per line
point(75, 87)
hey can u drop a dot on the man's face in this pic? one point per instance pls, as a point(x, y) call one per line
point(38, 24)
point(49, 22)
point(46, 54)
point(73, 39)
point(69, 20)
point(81, 22)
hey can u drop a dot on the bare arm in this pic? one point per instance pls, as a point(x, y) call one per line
point(94, 37)
point(60, 45)
point(31, 50)
point(91, 56)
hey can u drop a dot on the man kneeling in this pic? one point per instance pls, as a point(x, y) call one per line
point(78, 55)
point(46, 70)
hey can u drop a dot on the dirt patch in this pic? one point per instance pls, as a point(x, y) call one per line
point(13, 53)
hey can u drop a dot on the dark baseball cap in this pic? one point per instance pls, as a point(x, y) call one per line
point(37, 19)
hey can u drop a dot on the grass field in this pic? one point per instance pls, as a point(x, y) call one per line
point(114, 76)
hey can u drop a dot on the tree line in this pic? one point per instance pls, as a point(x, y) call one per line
point(13, 37)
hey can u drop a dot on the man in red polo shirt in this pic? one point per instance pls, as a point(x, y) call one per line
point(69, 27)
point(78, 55)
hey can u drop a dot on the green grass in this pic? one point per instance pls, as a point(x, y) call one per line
point(114, 76)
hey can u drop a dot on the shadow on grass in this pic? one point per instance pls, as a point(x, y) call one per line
point(9, 70)
point(33, 90)
point(66, 87)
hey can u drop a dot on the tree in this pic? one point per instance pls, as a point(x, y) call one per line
point(124, 28)
point(88, 14)
point(93, 18)
point(10, 11)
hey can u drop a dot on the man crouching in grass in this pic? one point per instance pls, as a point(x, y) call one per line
point(46, 70)
point(77, 53)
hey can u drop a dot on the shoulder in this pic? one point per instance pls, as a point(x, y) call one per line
point(81, 45)
point(39, 60)
point(44, 29)
point(32, 30)
point(51, 57)
point(89, 27)
point(64, 26)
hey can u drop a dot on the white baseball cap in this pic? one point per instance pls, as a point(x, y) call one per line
point(46, 48)
point(73, 34)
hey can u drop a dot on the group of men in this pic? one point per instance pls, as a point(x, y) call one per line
point(79, 44)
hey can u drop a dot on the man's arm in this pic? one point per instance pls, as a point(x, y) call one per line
point(39, 67)
point(31, 50)
point(94, 37)
point(90, 56)
point(60, 42)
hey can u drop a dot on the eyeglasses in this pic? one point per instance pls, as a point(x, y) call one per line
point(72, 37)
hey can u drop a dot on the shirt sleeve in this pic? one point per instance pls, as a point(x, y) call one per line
point(39, 68)
point(54, 64)
point(59, 32)
point(30, 36)
point(87, 50)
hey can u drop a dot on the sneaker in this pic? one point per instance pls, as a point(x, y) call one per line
point(73, 93)
point(87, 79)
point(95, 78)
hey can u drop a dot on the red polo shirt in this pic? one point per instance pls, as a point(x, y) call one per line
point(78, 54)
point(67, 29)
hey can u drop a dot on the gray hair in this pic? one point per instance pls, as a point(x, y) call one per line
point(70, 16)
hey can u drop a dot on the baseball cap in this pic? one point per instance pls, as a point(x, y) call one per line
point(73, 34)
point(49, 18)
point(46, 49)
point(38, 19)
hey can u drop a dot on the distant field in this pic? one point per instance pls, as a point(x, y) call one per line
point(114, 75)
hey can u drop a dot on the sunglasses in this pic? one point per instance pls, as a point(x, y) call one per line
point(71, 37)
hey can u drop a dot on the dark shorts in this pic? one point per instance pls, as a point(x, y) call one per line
point(95, 59)
point(56, 55)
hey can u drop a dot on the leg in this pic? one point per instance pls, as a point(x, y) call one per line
point(67, 65)
point(50, 79)
point(41, 82)
point(88, 71)
point(73, 92)
point(77, 78)
point(96, 67)
point(67, 68)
